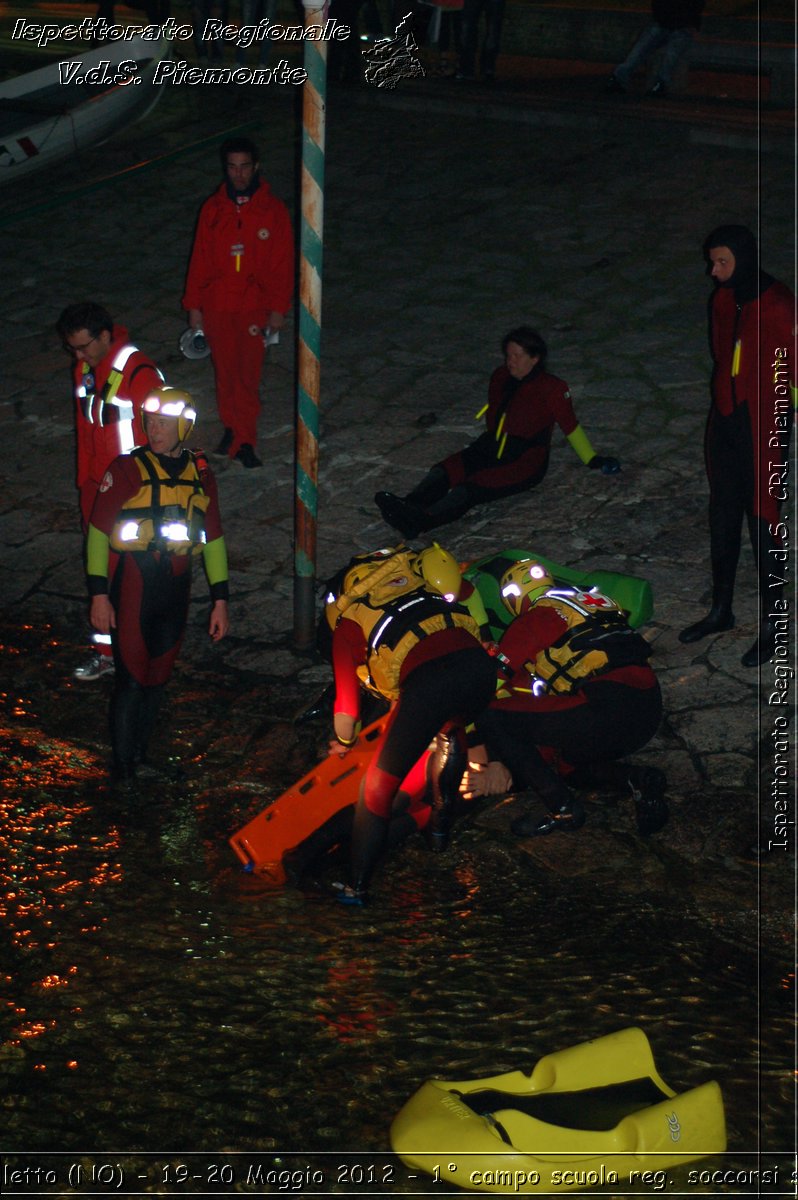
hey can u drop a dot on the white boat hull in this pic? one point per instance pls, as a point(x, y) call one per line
point(53, 112)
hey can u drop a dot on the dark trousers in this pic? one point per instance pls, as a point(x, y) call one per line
point(493, 11)
point(730, 468)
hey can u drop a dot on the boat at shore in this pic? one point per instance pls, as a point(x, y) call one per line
point(57, 110)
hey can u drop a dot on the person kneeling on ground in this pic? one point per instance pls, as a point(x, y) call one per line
point(511, 456)
point(579, 695)
point(395, 633)
point(156, 507)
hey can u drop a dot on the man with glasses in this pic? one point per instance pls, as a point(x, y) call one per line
point(112, 379)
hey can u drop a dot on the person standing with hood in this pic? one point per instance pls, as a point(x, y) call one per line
point(240, 281)
point(751, 324)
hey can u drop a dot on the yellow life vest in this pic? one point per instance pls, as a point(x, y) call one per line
point(165, 514)
point(396, 609)
point(598, 639)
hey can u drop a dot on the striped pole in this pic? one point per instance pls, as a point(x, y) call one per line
point(311, 247)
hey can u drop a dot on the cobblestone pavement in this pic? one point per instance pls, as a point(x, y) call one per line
point(443, 229)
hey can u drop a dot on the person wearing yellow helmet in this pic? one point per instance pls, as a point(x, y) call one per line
point(442, 572)
point(156, 509)
point(399, 637)
point(578, 695)
point(522, 583)
point(524, 404)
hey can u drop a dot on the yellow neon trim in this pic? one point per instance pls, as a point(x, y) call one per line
point(481, 412)
point(580, 444)
point(736, 358)
point(501, 446)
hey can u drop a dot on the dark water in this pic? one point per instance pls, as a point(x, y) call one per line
point(158, 999)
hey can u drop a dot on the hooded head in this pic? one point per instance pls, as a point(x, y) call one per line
point(744, 277)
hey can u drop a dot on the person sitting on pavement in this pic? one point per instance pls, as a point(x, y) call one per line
point(400, 637)
point(578, 695)
point(111, 379)
point(674, 23)
point(511, 456)
point(156, 508)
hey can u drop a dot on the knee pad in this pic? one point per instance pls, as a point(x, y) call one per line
point(379, 791)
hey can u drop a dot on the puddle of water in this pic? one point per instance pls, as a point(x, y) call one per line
point(158, 998)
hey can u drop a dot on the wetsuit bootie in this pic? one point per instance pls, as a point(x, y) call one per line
point(718, 620)
point(763, 648)
point(569, 817)
point(648, 786)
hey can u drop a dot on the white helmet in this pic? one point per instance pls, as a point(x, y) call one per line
point(194, 345)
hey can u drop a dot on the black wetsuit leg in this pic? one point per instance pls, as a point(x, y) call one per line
point(615, 721)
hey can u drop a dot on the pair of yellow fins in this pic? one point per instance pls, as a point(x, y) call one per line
point(593, 1115)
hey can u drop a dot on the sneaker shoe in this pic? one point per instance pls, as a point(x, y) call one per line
point(648, 786)
point(223, 448)
point(659, 90)
point(247, 456)
point(95, 667)
point(352, 897)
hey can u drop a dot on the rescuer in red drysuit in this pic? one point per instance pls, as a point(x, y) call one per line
point(111, 378)
point(239, 283)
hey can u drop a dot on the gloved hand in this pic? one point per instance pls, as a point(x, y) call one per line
point(607, 466)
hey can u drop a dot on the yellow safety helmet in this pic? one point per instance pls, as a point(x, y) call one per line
point(440, 570)
point(358, 569)
point(524, 583)
point(172, 402)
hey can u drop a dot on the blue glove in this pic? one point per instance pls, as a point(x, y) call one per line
point(607, 466)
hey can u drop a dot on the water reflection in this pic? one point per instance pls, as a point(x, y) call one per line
point(157, 996)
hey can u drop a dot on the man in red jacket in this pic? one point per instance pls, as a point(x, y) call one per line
point(240, 280)
point(751, 319)
point(112, 379)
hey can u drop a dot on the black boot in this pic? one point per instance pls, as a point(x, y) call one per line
point(720, 616)
point(127, 700)
point(448, 764)
point(369, 836)
point(433, 486)
point(567, 817)
point(648, 786)
point(764, 647)
point(718, 619)
point(400, 514)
